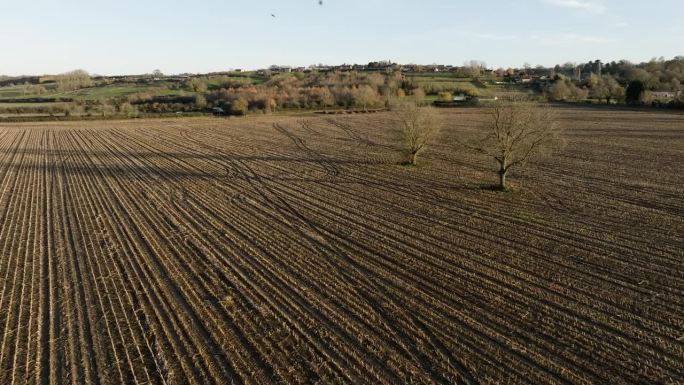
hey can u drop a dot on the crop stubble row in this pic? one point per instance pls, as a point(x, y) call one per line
point(291, 250)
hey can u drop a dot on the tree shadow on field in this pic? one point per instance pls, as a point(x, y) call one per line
point(178, 165)
point(226, 167)
point(78, 162)
point(493, 187)
point(57, 154)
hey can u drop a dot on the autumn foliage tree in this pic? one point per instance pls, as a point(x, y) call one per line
point(239, 106)
point(197, 85)
point(606, 87)
point(564, 89)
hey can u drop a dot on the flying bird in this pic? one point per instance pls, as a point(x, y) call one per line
point(272, 15)
point(320, 2)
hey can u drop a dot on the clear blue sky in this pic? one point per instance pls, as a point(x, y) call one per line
point(137, 36)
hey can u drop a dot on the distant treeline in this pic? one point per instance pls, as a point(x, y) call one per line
point(657, 82)
point(282, 91)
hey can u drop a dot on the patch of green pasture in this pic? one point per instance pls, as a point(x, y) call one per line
point(118, 90)
point(436, 75)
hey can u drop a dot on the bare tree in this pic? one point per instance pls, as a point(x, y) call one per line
point(419, 95)
point(417, 126)
point(474, 68)
point(516, 132)
point(73, 80)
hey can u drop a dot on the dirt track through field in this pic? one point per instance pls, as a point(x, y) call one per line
point(296, 250)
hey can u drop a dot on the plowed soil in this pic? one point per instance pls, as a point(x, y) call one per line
point(296, 250)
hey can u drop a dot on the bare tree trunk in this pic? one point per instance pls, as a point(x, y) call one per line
point(502, 178)
point(413, 158)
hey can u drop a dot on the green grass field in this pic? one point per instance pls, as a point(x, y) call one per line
point(16, 92)
point(437, 75)
point(102, 92)
point(92, 93)
point(217, 82)
point(117, 90)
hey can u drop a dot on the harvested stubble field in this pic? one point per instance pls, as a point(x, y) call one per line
point(291, 250)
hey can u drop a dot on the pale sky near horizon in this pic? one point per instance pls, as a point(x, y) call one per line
point(138, 36)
